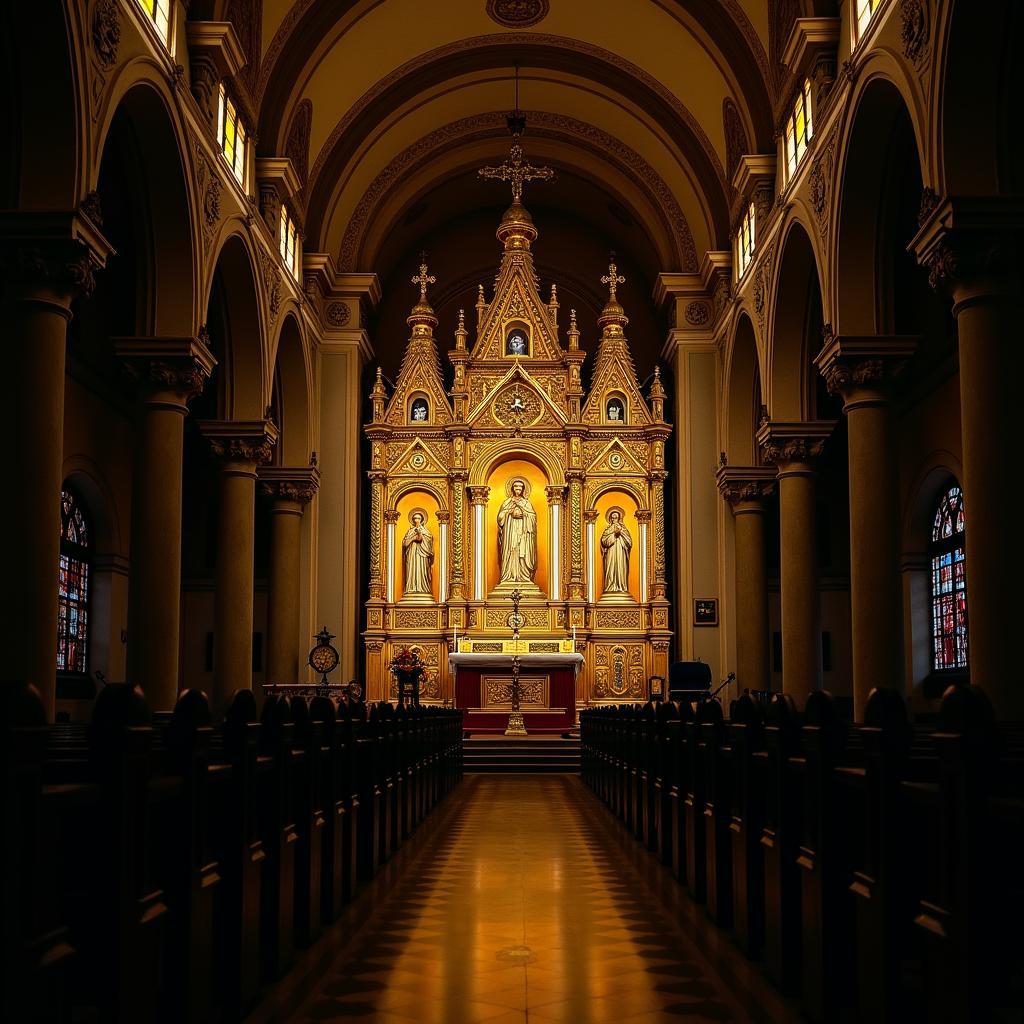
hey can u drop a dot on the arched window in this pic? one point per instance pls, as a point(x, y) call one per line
point(73, 585)
point(949, 582)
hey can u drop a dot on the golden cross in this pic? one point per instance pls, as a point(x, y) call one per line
point(422, 278)
point(517, 170)
point(613, 278)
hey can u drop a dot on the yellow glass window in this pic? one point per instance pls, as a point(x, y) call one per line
point(160, 14)
point(746, 240)
point(865, 12)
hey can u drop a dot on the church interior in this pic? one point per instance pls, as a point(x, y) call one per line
point(504, 518)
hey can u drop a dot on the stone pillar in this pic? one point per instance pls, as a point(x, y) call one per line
point(48, 260)
point(289, 490)
point(747, 489)
point(170, 372)
point(478, 501)
point(970, 247)
point(793, 447)
point(862, 370)
point(555, 494)
point(240, 446)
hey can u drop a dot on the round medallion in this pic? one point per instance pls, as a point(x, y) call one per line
point(615, 460)
point(323, 658)
point(418, 461)
point(516, 620)
point(517, 13)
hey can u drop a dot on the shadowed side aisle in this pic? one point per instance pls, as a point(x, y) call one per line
point(524, 903)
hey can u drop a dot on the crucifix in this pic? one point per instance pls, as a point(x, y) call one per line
point(423, 278)
point(517, 170)
point(613, 278)
point(516, 726)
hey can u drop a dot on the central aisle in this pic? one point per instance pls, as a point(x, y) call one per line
point(525, 901)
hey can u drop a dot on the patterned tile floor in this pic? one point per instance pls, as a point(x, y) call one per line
point(523, 900)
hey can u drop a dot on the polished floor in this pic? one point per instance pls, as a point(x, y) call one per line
point(521, 900)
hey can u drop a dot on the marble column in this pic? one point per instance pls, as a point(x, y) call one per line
point(861, 370)
point(169, 372)
point(747, 490)
point(970, 247)
point(555, 494)
point(48, 260)
point(289, 490)
point(478, 496)
point(240, 446)
point(792, 448)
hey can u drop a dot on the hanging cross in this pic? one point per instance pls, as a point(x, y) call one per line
point(613, 278)
point(422, 278)
point(517, 170)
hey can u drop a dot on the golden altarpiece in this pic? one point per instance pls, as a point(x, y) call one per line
point(517, 479)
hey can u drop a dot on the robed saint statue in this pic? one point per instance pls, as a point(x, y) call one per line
point(616, 544)
point(517, 536)
point(417, 558)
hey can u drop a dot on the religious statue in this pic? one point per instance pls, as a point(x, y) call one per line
point(516, 344)
point(419, 410)
point(616, 411)
point(417, 557)
point(616, 544)
point(517, 536)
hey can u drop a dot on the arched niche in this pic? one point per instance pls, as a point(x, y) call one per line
point(426, 501)
point(291, 400)
point(498, 480)
point(626, 501)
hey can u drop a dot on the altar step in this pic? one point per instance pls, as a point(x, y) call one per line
point(494, 754)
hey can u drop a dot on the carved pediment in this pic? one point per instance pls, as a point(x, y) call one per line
point(616, 459)
point(516, 304)
point(418, 379)
point(420, 459)
point(517, 400)
point(614, 377)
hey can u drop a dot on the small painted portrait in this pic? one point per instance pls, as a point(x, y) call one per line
point(516, 343)
point(616, 410)
point(420, 410)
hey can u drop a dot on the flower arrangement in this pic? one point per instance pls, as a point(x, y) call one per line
point(406, 659)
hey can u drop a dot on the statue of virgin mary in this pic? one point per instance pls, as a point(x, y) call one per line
point(517, 536)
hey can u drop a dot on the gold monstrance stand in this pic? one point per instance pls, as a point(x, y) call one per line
point(516, 726)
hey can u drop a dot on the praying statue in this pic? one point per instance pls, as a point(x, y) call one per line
point(616, 544)
point(517, 536)
point(417, 557)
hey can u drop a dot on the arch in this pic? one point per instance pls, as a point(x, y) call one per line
point(83, 473)
point(881, 139)
point(487, 460)
point(142, 134)
point(398, 490)
point(919, 505)
point(797, 315)
point(744, 394)
point(602, 487)
point(235, 325)
point(293, 395)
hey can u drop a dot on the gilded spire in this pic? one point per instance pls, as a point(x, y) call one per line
point(613, 317)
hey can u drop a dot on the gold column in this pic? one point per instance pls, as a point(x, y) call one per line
point(289, 490)
point(170, 372)
point(861, 370)
point(746, 489)
point(457, 594)
point(970, 247)
point(793, 447)
point(48, 260)
point(658, 516)
point(376, 532)
point(576, 585)
point(240, 446)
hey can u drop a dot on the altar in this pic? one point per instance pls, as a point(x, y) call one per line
point(547, 681)
point(505, 474)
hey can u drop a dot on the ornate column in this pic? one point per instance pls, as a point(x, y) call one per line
point(376, 533)
point(589, 519)
point(970, 247)
point(862, 371)
point(576, 590)
point(458, 571)
point(170, 372)
point(793, 447)
point(658, 518)
point(48, 259)
point(444, 558)
point(240, 446)
point(289, 490)
point(555, 493)
point(478, 500)
point(390, 566)
point(643, 517)
point(746, 490)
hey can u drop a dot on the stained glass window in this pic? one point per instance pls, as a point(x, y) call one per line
point(865, 12)
point(289, 242)
point(799, 129)
point(73, 585)
point(949, 582)
point(231, 135)
point(746, 240)
point(159, 12)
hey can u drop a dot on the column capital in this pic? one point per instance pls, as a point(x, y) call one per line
point(240, 440)
point(56, 254)
point(479, 494)
point(643, 515)
point(442, 516)
point(863, 366)
point(792, 444)
point(970, 243)
point(555, 493)
point(296, 484)
point(391, 516)
point(590, 515)
point(745, 485)
point(181, 366)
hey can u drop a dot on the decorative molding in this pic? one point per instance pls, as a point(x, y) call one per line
point(106, 32)
point(736, 142)
point(543, 124)
point(517, 13)
point(272, 283)
point(297, 145)
point(697, 314)
point(338, 314)
point(914, 30)
point(179, 365)
point(240, 440)
point(294, 484)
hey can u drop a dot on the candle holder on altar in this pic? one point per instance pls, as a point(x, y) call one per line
point(516, 725)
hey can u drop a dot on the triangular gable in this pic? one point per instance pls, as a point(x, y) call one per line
point(614, 372)
point(505, 388)
point(516, 299)
point(615, 459)
point(418, 458)
point(419, 374)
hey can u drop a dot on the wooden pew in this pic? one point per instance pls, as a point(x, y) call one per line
point(308, 813)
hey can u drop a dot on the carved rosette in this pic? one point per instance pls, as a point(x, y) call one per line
point(517, 13)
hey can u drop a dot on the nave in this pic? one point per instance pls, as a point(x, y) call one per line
point(522, 900)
